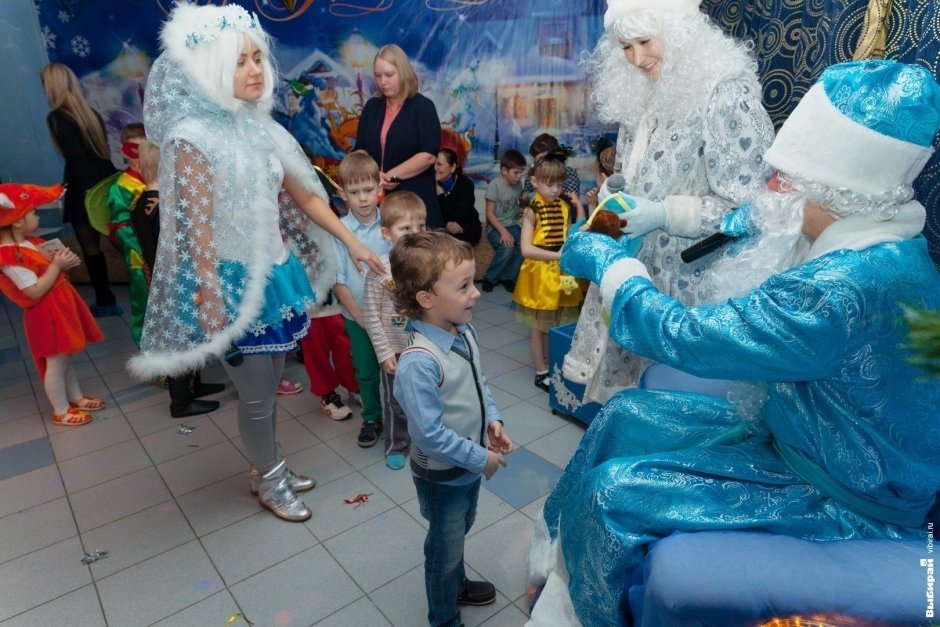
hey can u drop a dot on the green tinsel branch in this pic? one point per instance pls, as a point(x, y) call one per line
point(924, 339)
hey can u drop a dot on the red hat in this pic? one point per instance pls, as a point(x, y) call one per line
point(16, 200)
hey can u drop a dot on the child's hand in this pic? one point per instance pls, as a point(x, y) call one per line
point(499, 441)
point(571, 196)
point(390, 365)
point(454, 228)
point(507, 239)
point(493, 462)
point(65, 259)
point(591, 198)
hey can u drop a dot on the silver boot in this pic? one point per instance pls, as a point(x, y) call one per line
point(275, 493)
point(298, 483)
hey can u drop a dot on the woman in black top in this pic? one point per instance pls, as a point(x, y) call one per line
point(456, 198)
point(399, 128)
point(79, 135)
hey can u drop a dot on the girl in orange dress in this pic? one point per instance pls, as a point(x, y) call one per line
point(58, 322)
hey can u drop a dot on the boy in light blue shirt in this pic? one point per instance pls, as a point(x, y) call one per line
point(455, 427)
point(360, 186)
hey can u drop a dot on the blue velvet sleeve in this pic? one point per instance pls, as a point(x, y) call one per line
point(789, 329)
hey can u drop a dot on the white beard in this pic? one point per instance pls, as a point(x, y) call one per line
point(779, 246)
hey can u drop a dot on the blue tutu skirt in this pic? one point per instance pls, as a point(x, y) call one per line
point(283, 320)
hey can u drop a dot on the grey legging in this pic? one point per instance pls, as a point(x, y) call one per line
point(256, 381)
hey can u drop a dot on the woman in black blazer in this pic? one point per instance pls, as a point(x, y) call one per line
point(456, 198)
point(400, 129)
point(79, 135)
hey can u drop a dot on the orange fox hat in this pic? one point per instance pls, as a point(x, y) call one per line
point(16, 199)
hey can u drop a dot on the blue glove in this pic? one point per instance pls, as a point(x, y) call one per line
point(576, 227)
point(588, 255)
point(739, 225)
point(647, 216)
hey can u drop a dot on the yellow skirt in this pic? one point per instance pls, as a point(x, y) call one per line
point(539, 300)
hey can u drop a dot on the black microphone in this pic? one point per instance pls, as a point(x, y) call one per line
point(704, 247)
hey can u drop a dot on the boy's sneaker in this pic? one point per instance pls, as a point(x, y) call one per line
point(509, 285)
point(395, 461)
point(331, 405)
point(369, 434)
point(476, 593)
point(541, 381)
point(486, 286)
point(355, 398)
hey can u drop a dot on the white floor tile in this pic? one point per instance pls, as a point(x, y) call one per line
point(29, 489)
point(219, 504)
point(79, 608)
point(203, 467)
point(103, 465)
point(115, 499)
point(380, 549)
point(255, 543)
point(41, 576)
point(159, 587)
point(298, 591)
point(332, 516)
point(137, 537)
point(34, 528)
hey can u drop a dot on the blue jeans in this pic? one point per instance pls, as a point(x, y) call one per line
point(450, 510)
point(507, 259)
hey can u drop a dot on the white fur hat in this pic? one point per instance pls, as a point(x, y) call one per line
point(617, 9)
point(865, 126)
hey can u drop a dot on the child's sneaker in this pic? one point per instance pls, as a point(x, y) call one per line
point(541, 380)
point(395, 461)
point(369, 434)
point(486, 286)
point(331, 405)
point(287, 388)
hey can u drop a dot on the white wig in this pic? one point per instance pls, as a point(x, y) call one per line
point(206, 42)
point(697, 56)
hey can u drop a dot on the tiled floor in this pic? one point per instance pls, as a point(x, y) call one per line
point(188, 545)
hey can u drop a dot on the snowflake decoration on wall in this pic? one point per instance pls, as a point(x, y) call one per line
point(64, 17)
point(80, 46)
point(48, 37)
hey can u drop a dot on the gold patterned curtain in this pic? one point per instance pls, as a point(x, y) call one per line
point(794, 40)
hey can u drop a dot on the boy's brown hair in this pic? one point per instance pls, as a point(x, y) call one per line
point(132, 130)
point(357, 167)
point(149, 161)
point(512, 159)
point(401, 205)
point(543, 143)
point(417, 262)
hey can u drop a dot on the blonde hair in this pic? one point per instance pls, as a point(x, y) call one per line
point(549, 170)
point(149, 161)
point(406, 73)
point(356, 167)
point(64, 92)
point(417, 261)
point(401, 206)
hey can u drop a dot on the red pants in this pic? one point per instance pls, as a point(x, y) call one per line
point(327, 338)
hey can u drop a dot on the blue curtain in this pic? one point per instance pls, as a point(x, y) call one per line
point(796, 39)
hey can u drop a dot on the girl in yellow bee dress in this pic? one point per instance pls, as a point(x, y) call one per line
point(544, 297)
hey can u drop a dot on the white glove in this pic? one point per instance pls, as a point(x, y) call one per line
point(648, 215)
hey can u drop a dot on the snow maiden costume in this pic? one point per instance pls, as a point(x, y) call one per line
point(692, 141)
point(846, 443)
point(226, 282)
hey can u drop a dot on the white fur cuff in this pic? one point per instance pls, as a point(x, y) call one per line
point(618, 274)
point(684, 216)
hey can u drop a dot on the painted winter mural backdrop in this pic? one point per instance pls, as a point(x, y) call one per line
point(499, 71)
